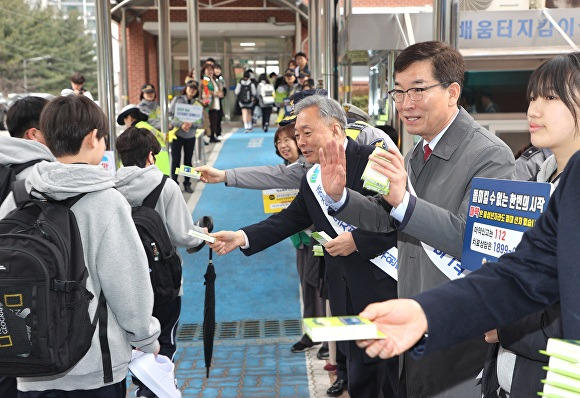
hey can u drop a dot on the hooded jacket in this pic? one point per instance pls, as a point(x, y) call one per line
point(18, 151)
point(117, 265)
point(135, 183)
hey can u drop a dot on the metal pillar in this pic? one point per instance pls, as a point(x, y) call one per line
point(124, 67)
point(193, 34)
point(105, 72)
point(298, 35)
point(446, 21)
point(347, 84)
point(164, 54)
point(314, 53)
point(330, 72)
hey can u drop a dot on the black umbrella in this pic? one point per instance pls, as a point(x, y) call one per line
point(209, 304)
point(209, 314)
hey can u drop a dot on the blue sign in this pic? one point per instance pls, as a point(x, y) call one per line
point(499, 213)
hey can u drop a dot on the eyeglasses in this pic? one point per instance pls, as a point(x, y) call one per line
point(415, 93)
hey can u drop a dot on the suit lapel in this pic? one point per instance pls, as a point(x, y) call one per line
point(416, 162)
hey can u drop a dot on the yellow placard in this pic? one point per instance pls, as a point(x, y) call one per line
point(277, 199)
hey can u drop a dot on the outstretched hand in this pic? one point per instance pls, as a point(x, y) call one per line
point(227, 241)
point(402, 321)
point(333, 169)
point(211, 175)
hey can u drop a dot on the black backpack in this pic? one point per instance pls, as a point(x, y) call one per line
point(245, 94)
point(8, 175)
point(45, 326)
point(164, 261)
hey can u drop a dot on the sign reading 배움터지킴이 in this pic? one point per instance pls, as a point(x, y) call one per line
point(189, 113)
point(499, 213)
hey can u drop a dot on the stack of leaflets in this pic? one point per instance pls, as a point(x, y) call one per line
point(188, 171)
point(317, 250)
point(372, 179)
point(563, 378)
point(321, 237)
point(339, 328)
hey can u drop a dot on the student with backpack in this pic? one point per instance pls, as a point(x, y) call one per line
point(102, 249)
point(245, 93)
point(163, 220)
point(23, 149)
point(26, 146)
point(265, 100)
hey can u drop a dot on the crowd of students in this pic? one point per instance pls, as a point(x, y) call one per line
point(436, 325)
point(66, 138)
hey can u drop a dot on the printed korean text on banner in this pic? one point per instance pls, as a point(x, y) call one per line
point(189, 113)
point(275, 200)
point(387, 261)
point(499, 213)
point(108, 162)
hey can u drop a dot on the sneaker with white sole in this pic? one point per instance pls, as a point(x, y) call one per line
point(156, 372)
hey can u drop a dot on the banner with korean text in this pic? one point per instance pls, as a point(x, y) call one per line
point(499, 213)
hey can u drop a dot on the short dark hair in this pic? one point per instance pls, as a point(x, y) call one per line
point(272, 74)
point(134, 145)
point(210, 59)
point(559, 76)
point(286, 130)
point(24, 114)
point(300, 54)
point(447, 63)
point(217, 66)
point(66, 120)
point(77, 78)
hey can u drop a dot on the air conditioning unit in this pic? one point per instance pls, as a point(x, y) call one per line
point(493, 5)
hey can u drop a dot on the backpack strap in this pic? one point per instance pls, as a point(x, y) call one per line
point(18, 168)
point(102, 317)
point(19, 192)
point(151, 199)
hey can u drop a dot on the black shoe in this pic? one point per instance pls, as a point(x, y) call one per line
point(187, 188)
point(213, 139)
point(337, 388)
point(301, 347)
point(322, 353)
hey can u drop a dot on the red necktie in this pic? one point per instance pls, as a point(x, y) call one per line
point(426, 152)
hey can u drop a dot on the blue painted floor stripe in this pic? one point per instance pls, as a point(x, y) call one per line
point(262, 286)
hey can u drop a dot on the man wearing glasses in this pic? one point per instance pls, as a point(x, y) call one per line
point(428, 199)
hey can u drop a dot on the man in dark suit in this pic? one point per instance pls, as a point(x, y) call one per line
point(353, 280)
point(542, 270)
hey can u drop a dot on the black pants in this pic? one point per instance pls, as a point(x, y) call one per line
point(117, 390)
point(214, 121)
point(266, 112)
point(220, 118)
point(8, 387)
point(188, 144)
point(168, 317)
point(366, 377)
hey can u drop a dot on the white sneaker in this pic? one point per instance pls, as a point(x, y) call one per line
point(156, 372)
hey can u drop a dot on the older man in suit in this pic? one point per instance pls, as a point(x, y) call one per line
point(428, 199)
point(353, 276)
